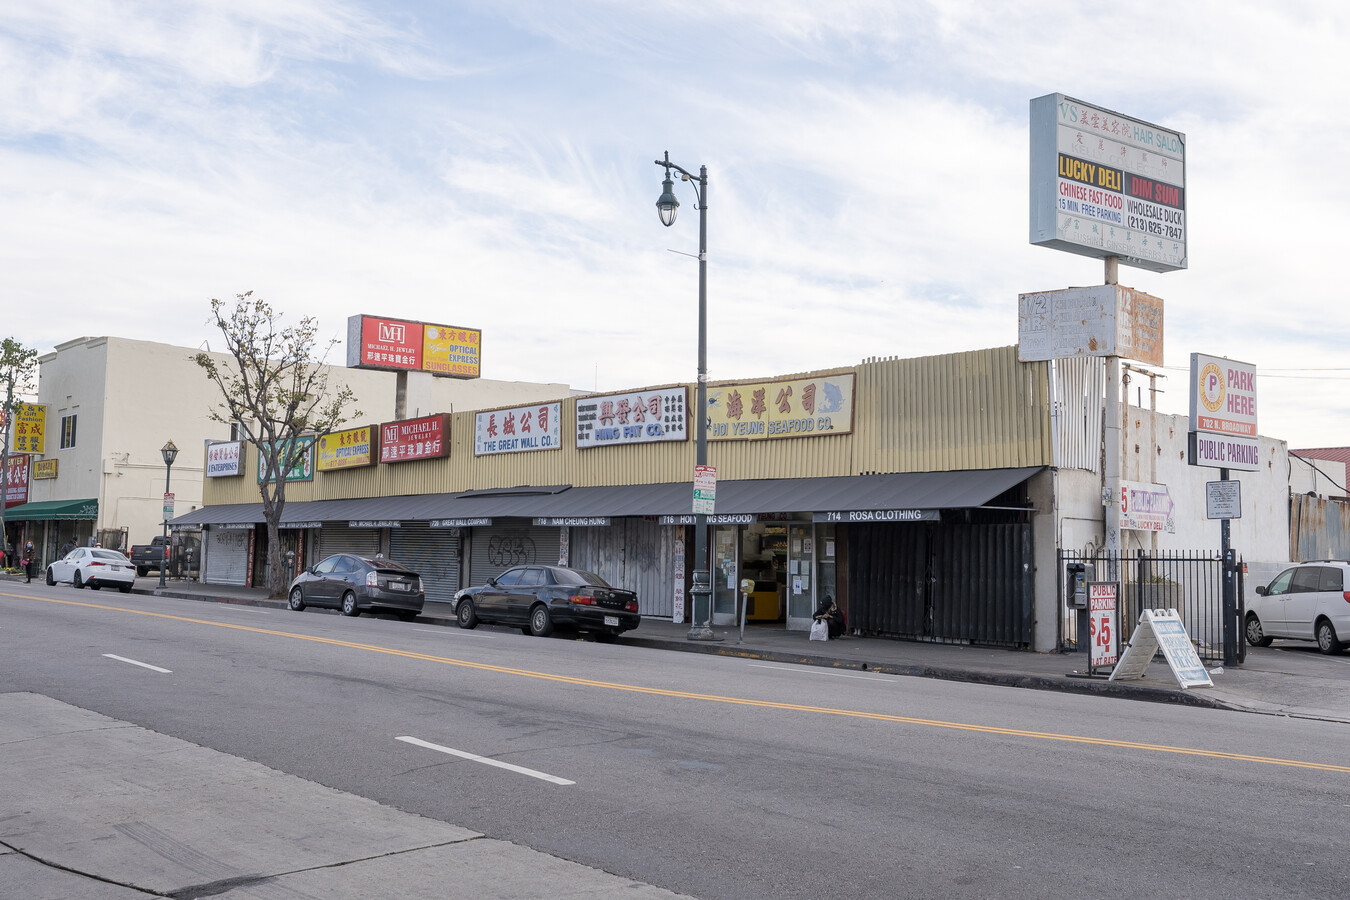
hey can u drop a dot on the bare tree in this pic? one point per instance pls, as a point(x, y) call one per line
point(277, 392)
point(18, 366)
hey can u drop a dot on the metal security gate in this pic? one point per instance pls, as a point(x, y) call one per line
point(496, 548)
point(432, 553)
point(1191, 582)
point(966, 583)
point(345, 539)
point(226, 556)
point(634, 554)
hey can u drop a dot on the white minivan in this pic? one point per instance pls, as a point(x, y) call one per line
point(1307, 602)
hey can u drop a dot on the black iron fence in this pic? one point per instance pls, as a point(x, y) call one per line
point(1191, 582)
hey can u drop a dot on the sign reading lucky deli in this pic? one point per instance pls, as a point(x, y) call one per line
point(798, 407)
point(518, 430)
point(638, 417)
point(225, 458)
point(347, 449)
point(408, 345)
point(412, 439)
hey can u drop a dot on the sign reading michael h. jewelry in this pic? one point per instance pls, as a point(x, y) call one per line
point(412, 439)
point(1223, 413)
point(518, 429)
point(638, 417)
point(224, 459)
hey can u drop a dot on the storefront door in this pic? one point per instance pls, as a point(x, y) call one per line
point(801, 582)
point(726, 573)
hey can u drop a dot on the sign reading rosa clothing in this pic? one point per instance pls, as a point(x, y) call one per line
point(413, 439)
point(1104, 184)
point(224, 459)
point(1223, 413)
point(346, 449)
point(797, 407)
point(408, 345)
point(300, 451)
point(639, 417)
point(518, 430)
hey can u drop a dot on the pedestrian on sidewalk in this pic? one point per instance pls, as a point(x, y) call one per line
point(833, 617)
point(29, 560)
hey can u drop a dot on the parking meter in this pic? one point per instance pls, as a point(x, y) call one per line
point(747, 588)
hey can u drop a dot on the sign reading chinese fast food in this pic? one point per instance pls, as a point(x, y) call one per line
point(796, 407)
point(30, 428)
point(518, 429)
point(411, 439)
point(1103, 184)
point(224, 459)
point(412, 346)
point(347, 449)
point(638, 417)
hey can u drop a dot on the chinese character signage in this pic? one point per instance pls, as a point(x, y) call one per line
point(44, 468)
point(347, 449)
point(224, 459)
point(301, 454)
point(30, 428)
point(1103, 184)
point(408, 345)
point(637, 417)
point(517, 430)
point(797, 407)
point(16, 482)
point(411, 439)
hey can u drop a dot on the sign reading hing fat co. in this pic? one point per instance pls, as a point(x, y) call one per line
point(638, 417)
point(408, 345)
point(1104, 184)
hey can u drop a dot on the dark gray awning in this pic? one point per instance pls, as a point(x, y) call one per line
point(965, 489)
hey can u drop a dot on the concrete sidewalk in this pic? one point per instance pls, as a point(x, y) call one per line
point(1286, 679)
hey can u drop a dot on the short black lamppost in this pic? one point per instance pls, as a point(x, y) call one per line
point(701, 619)
point(170, 452)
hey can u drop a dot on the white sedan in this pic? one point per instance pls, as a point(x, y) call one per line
point(95, 567)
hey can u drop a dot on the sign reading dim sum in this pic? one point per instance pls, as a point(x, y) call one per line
point(411, 346)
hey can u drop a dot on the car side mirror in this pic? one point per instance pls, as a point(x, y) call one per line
point(1262, 590)
point(492, 582)
point(312, 571)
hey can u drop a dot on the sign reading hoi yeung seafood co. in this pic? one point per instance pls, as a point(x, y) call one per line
point(1104, 184)
point(784, 408)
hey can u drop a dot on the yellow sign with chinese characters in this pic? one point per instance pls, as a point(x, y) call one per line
point(347, 449)
point(447, 350)
point(796, 407)
point(30, 428)
point(44, 468)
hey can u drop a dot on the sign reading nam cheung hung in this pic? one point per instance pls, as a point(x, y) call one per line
point(1104, 184)
point(637, 417)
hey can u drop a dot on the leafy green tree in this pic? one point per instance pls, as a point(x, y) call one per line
point(18, 376)
point(275, 388)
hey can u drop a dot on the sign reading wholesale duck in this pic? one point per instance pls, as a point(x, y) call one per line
point(407, 345)
point(518, 429)
point(791, 407)
point(1223, 414)
point(1104, 184)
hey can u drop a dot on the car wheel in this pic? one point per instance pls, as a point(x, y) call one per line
point(541, 625)
point(349, 607)
point(124, 588)
point(77, 582)
point(1327, 641)
point(297, 601)
point(141, 571)
point(1256, 635)
point(51, 579)
point(466, 615)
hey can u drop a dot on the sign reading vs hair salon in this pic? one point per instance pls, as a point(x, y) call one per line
point(518, 429)
point(411, 439)
point(797, 407)
point(639, 417)
point(1103, 184)
point(407, 345)
point(224, 459)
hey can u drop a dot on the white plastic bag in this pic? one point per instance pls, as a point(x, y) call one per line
point(820, 630)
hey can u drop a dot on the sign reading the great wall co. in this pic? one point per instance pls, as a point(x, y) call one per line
point(796, 407)
point(518, 429)
point(1104, 184)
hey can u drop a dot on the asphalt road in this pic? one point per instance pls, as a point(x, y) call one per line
point(713, 776)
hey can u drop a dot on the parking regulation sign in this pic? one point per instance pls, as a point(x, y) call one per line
point(705, 490)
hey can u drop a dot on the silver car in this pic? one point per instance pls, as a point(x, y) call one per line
point(1307, 602)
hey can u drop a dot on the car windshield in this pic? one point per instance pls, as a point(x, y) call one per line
point(108, 554)
point(578, 576)
point(386, 564)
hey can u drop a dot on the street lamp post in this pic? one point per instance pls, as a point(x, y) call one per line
point(700, 628)
point(170, 452)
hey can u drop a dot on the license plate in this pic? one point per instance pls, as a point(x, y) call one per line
point(612, 620)
point(398, 586)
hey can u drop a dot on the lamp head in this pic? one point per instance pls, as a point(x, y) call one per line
point(666, 204)
point(170, 452)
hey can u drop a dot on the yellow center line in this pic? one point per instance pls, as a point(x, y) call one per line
point(717, 698)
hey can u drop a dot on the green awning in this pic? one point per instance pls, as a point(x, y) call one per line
point(53, 509)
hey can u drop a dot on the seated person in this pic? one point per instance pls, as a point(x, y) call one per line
point(832, 615)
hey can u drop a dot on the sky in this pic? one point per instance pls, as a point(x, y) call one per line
point(490, 165)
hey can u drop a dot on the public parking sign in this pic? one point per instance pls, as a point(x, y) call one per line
point(1102, 628)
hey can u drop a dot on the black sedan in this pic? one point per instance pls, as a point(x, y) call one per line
point(355, 583)
point(540, 598)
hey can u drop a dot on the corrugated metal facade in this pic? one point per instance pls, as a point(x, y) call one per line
point(975, 410)
point(635, 554)
point(1319, 528)
point(1079, 389)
